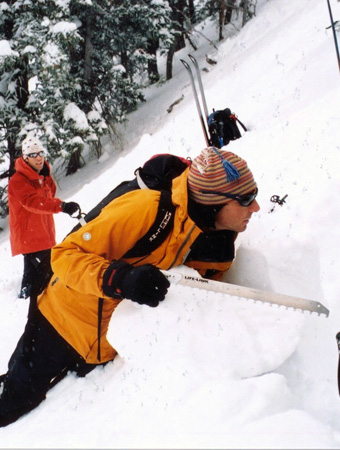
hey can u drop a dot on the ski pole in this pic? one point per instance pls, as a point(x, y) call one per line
point(334, 33)
point(337, 337)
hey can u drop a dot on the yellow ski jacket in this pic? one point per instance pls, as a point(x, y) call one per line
point(74, 302)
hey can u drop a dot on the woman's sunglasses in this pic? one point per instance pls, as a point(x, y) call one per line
point(242, 199)
point(35, 155)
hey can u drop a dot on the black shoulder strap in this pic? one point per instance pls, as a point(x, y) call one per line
point(159, 230)
point(123, 188)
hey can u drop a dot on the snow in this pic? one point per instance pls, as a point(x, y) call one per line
point(72, 112)
point(5, 49)
point(29, 49)
point(205, 370)
point(52, 54)
point(64, 28)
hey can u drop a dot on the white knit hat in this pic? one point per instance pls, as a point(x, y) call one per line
point(31, 145)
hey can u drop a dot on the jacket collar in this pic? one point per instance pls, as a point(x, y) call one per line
point(180, 190)
point(180, 197)
point(25, 169)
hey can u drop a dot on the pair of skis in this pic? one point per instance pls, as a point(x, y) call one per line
point(203, 118)
point(202, 107)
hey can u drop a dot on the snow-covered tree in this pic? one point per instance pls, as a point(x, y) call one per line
point(35, 77)
point(71, 69)
point(61, 77)
point(140, 29)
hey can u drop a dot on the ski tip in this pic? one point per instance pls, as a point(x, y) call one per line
point(193, 59)
point(185, 64)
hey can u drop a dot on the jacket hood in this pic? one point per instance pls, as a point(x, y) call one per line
point(23, 167)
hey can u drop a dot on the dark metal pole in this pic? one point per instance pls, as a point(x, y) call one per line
point(334, 34)
point(337, 337)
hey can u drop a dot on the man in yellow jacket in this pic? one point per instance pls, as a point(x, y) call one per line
point(214, 200)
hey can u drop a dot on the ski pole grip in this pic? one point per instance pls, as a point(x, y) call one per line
point(337, 337)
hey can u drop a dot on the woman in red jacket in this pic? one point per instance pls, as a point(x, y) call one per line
point(32, 203)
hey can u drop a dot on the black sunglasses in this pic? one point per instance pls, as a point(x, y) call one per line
point(243, 199)
point(35, 155)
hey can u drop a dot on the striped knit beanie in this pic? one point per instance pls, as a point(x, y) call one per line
point(219, 171)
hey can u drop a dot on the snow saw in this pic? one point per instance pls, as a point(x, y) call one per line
point(257, 295)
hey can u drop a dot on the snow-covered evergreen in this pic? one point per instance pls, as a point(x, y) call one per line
point(61, 57)
point(207, 371)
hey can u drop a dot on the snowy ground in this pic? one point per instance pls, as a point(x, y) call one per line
point(204, 370)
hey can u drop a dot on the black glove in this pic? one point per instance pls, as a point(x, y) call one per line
point(70, 207)
point(145, 284)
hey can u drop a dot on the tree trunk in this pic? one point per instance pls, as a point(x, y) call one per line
point(152, 63)
point(180, 17)
point(177, 15)
point(169, 59)
point(124, 61)
point(22, 83)
point(245, 12)
point(221, 20)
point(13, 155)
point(191, 7)
point(229, 11)
point(88, 49)
point(74, 163)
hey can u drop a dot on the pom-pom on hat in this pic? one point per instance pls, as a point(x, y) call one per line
point(218, 171)
point(31, 145)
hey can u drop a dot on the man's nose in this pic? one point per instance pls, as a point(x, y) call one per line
point(255, 207)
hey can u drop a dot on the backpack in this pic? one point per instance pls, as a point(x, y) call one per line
point(157, 174)
point(223, 127)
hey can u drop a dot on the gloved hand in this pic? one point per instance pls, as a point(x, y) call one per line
point(145, 284)
point(70, 207)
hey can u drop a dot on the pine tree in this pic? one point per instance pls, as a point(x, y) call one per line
point(71, 70)
point(141, 28)
point(61, 78)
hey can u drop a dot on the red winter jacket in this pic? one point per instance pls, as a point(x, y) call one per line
point(31, 205)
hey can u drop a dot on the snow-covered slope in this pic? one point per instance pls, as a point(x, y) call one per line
point(203, 370)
